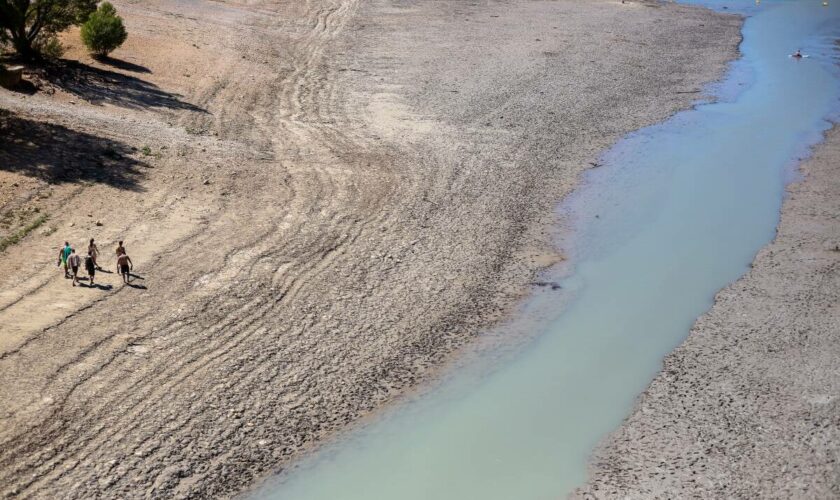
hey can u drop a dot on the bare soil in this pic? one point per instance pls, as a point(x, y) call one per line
point(323, 200)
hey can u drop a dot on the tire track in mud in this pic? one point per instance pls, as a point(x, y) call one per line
point(84, 449)
point(79, 445)
point(166, 379)
point(286, 315)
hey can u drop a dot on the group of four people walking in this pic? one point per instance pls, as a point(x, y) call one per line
point(72, 262)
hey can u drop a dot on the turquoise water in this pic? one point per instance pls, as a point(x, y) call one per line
point(678, 211)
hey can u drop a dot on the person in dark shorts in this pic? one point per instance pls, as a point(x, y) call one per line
point(90, 266)
point(74, 261)
point(124, 266)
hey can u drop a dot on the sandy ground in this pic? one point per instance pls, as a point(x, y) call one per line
point(749, 405)
point(322, 199)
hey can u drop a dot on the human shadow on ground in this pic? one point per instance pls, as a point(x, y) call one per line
point(104, 288)
point(123, 65)
point(100, 86)
point(139, 287)
point(58, 155)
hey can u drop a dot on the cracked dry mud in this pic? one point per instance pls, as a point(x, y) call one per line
point(323, 200)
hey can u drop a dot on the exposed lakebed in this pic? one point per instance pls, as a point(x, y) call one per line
point(677, 211)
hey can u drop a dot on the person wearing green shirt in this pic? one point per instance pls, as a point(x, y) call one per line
point(63, 254)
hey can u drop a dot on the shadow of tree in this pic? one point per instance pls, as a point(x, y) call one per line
point(57, 154)
point(98, 86)
point(25, 87)
point(123, 65)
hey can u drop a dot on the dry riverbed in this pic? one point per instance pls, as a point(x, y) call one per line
point(749, 405)
point(323, 200)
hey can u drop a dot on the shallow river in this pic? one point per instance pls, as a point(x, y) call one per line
point(677, 212)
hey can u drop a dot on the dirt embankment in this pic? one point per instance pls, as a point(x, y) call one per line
point(323, 199)
point(749, 405)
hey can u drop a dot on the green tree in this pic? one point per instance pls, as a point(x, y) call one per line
point(104, 30)
point(27, 22)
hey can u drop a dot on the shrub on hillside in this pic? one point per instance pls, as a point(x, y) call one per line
point(103, 31)
point(30, 25)
point(49, 47)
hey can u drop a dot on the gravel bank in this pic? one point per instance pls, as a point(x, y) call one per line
point(323, 200)
point(749, 405)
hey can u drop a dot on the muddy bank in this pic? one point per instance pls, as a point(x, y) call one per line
point(748, 406)
point(324, 200)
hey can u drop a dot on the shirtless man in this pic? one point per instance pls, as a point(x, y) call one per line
point(93, 252)
point(120, 249)
point(124, 266)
